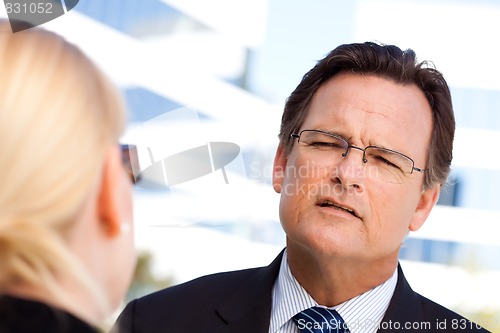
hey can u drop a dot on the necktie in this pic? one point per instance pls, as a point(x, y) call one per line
point(320, 320)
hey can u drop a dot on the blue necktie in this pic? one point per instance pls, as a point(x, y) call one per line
point(320, 320)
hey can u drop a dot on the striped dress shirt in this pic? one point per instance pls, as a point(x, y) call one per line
point(362, 314)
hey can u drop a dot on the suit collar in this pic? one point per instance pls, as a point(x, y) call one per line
point(250, 305)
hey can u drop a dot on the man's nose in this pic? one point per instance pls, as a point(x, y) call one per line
point(351, 169)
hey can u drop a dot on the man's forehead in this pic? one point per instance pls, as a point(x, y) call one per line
point(371, 109)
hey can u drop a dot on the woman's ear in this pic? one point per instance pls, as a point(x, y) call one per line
point(109, 194)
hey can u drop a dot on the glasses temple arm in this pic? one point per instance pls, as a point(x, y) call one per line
point(419, 169)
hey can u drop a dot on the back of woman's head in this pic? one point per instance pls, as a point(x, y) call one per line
point(58, 116)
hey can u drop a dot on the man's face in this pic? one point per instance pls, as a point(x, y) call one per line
point(365, 110)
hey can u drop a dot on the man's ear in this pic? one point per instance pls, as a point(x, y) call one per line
point(428, 200)
point(279, 166)
point(108, 203)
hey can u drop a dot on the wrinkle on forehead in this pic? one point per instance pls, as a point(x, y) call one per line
point(370, 110)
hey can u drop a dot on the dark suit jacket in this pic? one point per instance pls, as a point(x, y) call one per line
point(240, 301)
point(18, 315)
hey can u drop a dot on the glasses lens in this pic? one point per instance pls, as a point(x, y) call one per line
point(388, 165)
point(130, 161)
point(321, 147)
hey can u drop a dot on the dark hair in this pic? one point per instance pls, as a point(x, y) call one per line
point(390, 62)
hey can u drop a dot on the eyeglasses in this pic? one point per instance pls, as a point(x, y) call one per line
point(326, 148)
point(130, 161)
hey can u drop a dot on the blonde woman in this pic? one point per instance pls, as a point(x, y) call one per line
point(66, 236)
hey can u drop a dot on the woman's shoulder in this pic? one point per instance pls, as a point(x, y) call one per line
point(29, 316)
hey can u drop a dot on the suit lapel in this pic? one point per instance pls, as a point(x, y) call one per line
point(404, 306)
point(248, 309)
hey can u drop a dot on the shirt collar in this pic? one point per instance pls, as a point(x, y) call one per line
point(362, 313)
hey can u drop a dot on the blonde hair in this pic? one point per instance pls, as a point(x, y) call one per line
point(58, 117)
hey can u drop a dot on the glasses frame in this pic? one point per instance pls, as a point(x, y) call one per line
point(130, 161)
point(349, 146)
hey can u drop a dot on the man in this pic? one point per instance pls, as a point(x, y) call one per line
point(365, 146)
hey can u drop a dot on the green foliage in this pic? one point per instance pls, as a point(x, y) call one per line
point(144, 281)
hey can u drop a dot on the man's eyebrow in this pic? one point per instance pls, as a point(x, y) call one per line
point(337, 133)
point(348, 139)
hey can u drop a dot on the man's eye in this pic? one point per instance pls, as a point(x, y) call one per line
point(385, 161)
point(323, 144)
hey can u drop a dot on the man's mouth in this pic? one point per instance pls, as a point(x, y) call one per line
point(329, 203)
